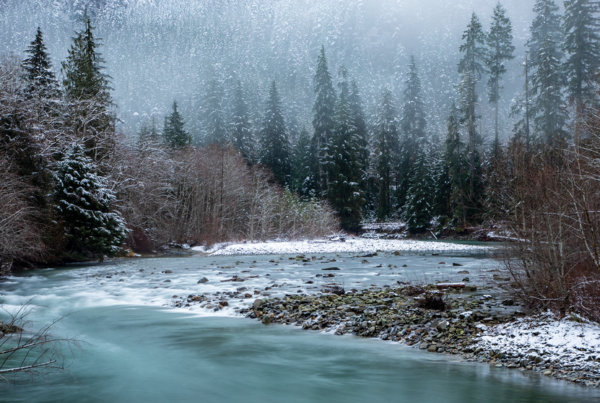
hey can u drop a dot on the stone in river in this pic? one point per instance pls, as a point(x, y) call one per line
point(257, 303)
point(267, 319)
point(331, 268)
point(424, 345)
point(168, 271)
point(167, 281)
point(432, 349)
point(203, 280)
point(456, 264)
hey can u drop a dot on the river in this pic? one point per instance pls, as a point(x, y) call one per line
point(139, 348)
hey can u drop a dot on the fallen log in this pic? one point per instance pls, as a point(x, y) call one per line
point(443, 286)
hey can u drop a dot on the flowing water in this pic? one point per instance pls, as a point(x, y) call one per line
point(142, 349)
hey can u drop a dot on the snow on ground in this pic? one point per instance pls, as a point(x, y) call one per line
point(556, 342)
point(350, 246)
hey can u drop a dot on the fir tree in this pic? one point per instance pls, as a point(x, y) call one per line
point(173, 132)
point(471, 68)
point(215, 127)
point(582, 45)
point(499, 41)
point(302, 181)
point(442, 185)
point(148, 139)
point(274, 142)
point(84, 78)
point(457, 167)
point(39, 75)
point(362, 138)
point(386, 149)
point(547, 78)
point(412, 130)
point(323, 119)
point(418, 209)
point(242, 134)
point(86, 88)
point(83, 204)
point(344, 170)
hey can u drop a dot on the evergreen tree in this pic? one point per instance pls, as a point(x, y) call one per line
point(84, 78)
point(362, 140)
point(442, 185)
point(471, 68)
point(242, 133)
point(457, 167)
point(499, 41)
point(302, 180)
point(39, 75)
point(547, 78)
point(86, 88)
point(412, 130)
point(148, 139)
point(582, 45)
point(418, 209)
point(215, 127)
point(174, 133)
point(323, 119)
point(386, 150)
point(274, 142)
point(523, 108)
point(83, 204)
point(345, 170)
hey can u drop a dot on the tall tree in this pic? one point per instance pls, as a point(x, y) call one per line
point(38, 69)
point(547, 76)
point(471, 68)
point(274, 142)
point(412, 130)
point(386, 154)
point(499, 41)
point(362, 137)
point(86, 88)
point(174, 133)
point(345, 170)
point(83, 205)
point(418, 210)
point(323, 118)
point(302, 180)
point(241, 125)
point(458, 171)
point(582, 44)
point(215, 126)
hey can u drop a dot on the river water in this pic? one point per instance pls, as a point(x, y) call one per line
point(140, 348)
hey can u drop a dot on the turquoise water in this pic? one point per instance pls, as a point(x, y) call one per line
point(141, 351)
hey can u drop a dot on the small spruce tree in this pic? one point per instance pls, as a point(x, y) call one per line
point(83, 205)
point(39, 75)
point(418, 209)
point(173, 132)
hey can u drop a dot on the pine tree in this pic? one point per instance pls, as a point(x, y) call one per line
point(582, 44)
point(499, 41)
point(83, 204)
point(323, 119)
point(215, 127)
point(173, 132)
point(242, 134)
point(523, 108)
point(547, 78)
point(418, 209)
point(345, 170)
point(386, 150)
point(442, 185)
point(39, 75)
point(471, 68)
point(274, 142)
point(412, 130)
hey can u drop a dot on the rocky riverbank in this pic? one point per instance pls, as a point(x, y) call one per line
point(457, 322)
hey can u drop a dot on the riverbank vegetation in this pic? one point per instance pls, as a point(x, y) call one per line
point(253, 157)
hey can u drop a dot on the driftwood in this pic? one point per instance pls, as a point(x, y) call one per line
point(442, 286)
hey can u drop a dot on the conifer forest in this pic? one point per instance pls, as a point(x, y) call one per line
point(136, 124)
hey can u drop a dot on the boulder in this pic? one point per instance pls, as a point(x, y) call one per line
point(257, 304)
point(203, 280)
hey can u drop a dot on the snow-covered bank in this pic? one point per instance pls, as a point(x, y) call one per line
point(561, 348)
point(350, 246)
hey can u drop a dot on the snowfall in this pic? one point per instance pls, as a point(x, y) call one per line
point(353, 245)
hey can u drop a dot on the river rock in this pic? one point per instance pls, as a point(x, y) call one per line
point(432, 349)
point(267, 319)
point(203, 280)
point(257, 304)
point(168, 271)
point(424, 345)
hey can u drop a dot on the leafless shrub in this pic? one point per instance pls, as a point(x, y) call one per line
point(434, 301)
point(29, 348)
